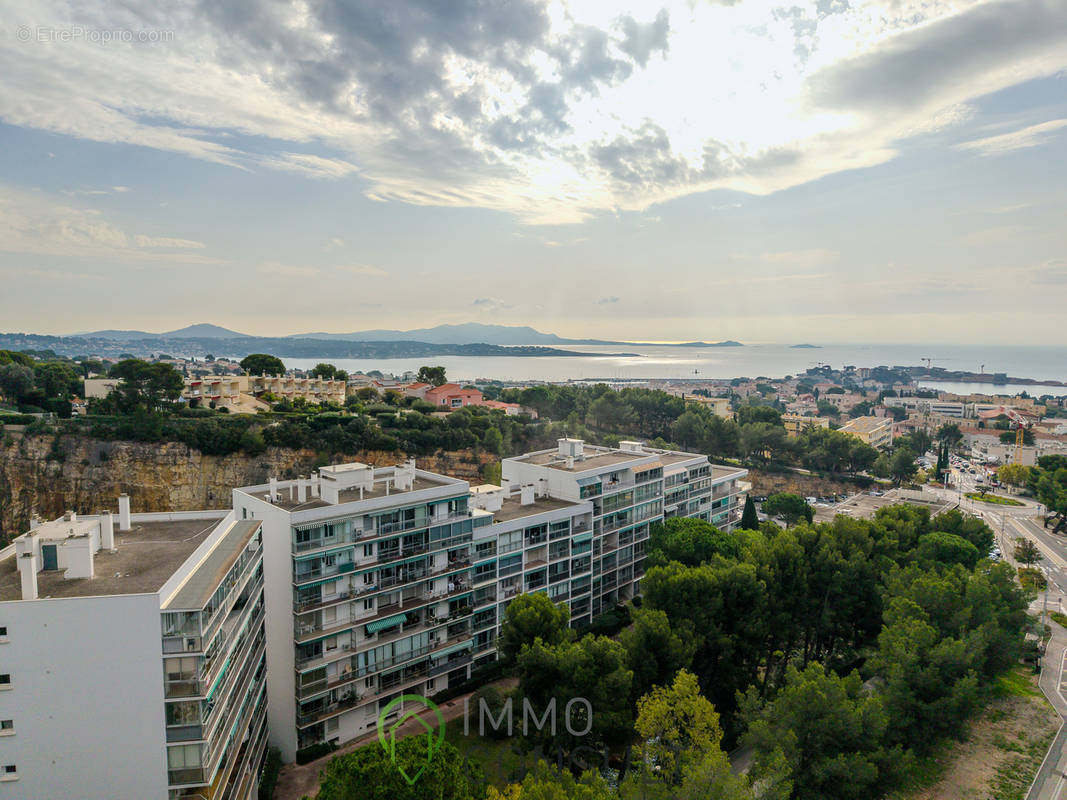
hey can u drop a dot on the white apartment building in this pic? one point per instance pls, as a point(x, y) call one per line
point(132, 658)
point(164, 650)
point(631, 487)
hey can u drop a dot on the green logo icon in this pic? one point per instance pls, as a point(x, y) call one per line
point(388, 738)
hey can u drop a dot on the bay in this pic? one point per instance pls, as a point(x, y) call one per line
point(698, 363)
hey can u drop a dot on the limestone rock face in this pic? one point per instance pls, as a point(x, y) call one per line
point(46, 476)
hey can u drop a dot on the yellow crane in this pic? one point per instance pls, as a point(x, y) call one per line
point(1020, 424)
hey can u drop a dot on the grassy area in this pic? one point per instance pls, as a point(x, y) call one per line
point(1059, 618)
point(1000, 752)
point(994, 499)
point(1032, 579)
point(499, 759)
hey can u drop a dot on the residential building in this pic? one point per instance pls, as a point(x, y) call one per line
point(795, 424)
point(875, 431)
point(719, 406)
point(631, 487)
point(239, 392)
point(452, 395)
point(132, 657)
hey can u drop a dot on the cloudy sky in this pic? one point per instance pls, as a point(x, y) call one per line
point(817, 170)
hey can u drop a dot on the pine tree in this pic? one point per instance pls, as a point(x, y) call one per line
point(749, 519)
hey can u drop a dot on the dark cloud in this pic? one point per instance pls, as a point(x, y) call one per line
point(912, 68)
point(640, 41)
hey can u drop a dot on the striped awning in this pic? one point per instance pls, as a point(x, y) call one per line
point(388, 622)
point(454, 648)
point(581, 537)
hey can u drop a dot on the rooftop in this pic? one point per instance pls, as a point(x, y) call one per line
point(718, 472)
point(513, 509)
point(595, 458)
point(205, 579)
point(866, 424)
point(346, 495)
point(145, 557)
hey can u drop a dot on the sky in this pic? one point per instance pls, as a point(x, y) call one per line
point(833, 171)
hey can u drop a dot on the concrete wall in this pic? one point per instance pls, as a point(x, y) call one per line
point(86, 698)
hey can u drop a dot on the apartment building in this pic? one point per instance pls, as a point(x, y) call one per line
point(928, 405)
point(875, 431)
point(391, 581)
point(132, 660)
point(235, 391)
point(795, 424)
point(631, 487)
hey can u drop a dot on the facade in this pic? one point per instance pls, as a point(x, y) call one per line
point(719, 406)
point(795, 424)
point(631, 487)
point(132, 659)
point(875, 431)
point(235, 391)
point(452, 395)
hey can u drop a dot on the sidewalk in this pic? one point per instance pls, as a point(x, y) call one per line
point(1048, 783)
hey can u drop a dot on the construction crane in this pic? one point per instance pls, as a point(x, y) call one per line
point(928, 360)
point(1020, 424)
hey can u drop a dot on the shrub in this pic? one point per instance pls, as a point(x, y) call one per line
point(313, 752)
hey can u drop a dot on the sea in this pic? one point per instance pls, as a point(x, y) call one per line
point(751, 360)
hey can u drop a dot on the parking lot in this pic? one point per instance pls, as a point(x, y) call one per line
point(863, 506)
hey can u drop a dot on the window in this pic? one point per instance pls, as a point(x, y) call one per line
point(10, 773)
point(430, 685)
point(5, 681)
point(3, 631)
point(7, 727)
point(368, 604)
point(368, 550)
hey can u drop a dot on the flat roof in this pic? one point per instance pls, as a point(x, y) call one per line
point(719, 471)
point(866, 424)
point(146, 556)
point(513, 509)
point(351, 495)
point(205, 579)
point(610, 458)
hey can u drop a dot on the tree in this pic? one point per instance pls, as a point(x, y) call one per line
point(1008, 437)
point(532, 617)
point(262, 364)
point(493, 441)
point(763, 440)
point(676, 724)
point(749, 517)
point(947, 548)
point(791, 507)
point(1014, 474)
point(950, 434)
point(546, 783)
point(594, 669)
point(690, 429)
point(1027, 552)
point(432, 375)
point(690, 541)
point(57, 379)
point(327, 371)
point(369, 773)
point(655, 652)
point(902, 465)
point(145, 385)
point(827, 734)
point(754, 413)
point(16, 381)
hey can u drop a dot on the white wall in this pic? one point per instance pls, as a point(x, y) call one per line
point(86, 698)
point(278, 604)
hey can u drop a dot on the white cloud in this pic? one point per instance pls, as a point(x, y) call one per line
point(1031, 136)
point(490, 304)
point(552, 112)
point(167, 242)
point(365, 269)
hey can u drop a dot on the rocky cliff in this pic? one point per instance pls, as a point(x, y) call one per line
point(46, 475)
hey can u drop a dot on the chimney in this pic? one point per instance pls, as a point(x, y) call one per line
point(70, 516)
point(124, 512)
point(274, 490)
point(301, 489)
point(35, 522)
point(28, 573)
point(526, 495)
point(314, 483)
point(107, 531)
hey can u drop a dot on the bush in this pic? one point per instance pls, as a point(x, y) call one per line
point(272, 765)
point(1032, 579)
point(608, 623)
point(314, 752)
point(17, 419)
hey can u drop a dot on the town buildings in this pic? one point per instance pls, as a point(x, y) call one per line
point(875, 431)
point(132, 657)
point(240, 392)
point(795, 424)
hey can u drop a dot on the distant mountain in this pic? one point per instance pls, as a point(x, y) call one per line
point(806, 347)
point(467, 333)
point(201, 330)
point(478, 333)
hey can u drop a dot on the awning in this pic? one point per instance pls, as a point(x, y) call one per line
point(454, 648)
point(388, 622)
point(590, 480)
point(581, 537)
point(647, 467)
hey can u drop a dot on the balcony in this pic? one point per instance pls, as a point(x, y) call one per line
point(303, 606)
point(303, 720)
point(322, 544)
point(309, 690)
